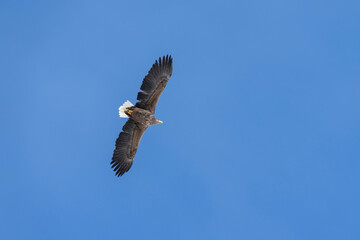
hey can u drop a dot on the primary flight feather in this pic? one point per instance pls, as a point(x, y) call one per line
point(141, 116)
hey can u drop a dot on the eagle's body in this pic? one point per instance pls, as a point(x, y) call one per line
point(142, 115)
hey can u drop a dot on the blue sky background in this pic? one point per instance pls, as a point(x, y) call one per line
point(261, 136)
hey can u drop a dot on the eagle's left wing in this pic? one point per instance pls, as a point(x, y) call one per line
point(126, 146)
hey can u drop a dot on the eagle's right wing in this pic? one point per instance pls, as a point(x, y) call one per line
point(154, 84)
point(126, 146)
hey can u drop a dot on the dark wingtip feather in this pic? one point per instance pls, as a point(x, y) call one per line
point(120, 166)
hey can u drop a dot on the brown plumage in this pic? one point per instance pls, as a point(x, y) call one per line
point(141, 115)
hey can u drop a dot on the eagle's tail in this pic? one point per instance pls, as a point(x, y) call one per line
point(123, 108)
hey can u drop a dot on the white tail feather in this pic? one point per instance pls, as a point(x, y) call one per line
point(123, 108)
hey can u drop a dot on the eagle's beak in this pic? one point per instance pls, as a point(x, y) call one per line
point(160, 121)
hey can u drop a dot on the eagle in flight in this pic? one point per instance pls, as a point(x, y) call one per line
point(141, 116)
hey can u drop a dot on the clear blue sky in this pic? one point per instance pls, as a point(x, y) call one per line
point(261, 136)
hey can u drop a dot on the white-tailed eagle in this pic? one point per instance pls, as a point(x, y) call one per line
point(141, 116)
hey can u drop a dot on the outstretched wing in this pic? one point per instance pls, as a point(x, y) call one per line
point(126, 146)
point(154, 83)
